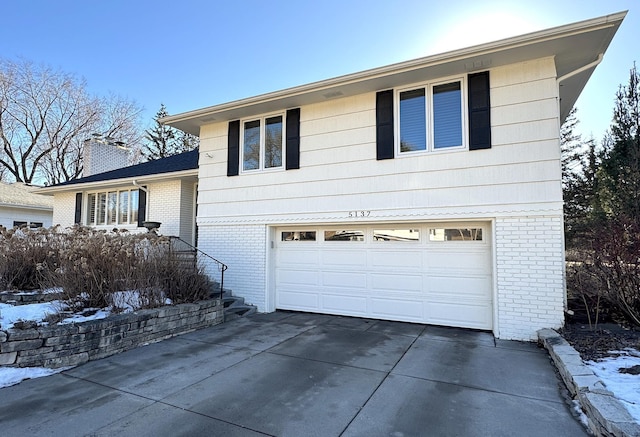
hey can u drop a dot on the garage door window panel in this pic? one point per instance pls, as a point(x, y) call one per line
point(402, 235)
point(298, 236)
point(455, 234)
point(344, 235)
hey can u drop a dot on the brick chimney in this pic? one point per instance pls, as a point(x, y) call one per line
point(103, 154)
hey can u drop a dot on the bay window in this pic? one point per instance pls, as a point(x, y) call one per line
point(117, 207)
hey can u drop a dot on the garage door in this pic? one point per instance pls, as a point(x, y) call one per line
point(427, 273)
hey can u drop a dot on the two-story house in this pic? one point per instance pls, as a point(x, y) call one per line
point(426, 191)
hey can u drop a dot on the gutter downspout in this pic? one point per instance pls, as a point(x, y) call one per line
point(581, 69)
point(140, 187)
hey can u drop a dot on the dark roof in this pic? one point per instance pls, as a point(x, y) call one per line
point(181, 162)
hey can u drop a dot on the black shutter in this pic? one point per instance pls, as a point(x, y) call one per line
point(384, 125)
point(78, 217)
point(479, 111)
point(142, 206)
point(233, 149)
point(293, 139)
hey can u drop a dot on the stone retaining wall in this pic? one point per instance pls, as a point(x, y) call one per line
point(606, 415)
point(72, 344)
point(26, 297)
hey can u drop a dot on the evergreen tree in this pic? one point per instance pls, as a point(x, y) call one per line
point(619, 175)
point(580, 162)
point(163, 141)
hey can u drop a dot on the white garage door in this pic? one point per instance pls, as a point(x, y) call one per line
point(427, 273)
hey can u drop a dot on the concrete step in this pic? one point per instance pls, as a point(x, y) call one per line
point(232, 301)
point(239, 311)
point(234, 306)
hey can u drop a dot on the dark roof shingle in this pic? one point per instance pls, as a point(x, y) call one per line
point(181, 162)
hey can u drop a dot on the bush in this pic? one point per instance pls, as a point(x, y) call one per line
point(606, 275)
point(98, 269)
point(23, 253)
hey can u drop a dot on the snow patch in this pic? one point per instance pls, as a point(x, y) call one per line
point(13, 375)
point(625, 387)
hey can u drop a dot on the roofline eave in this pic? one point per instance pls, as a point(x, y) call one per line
point(120, 181)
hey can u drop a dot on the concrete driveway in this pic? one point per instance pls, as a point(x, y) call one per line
point(299, 374)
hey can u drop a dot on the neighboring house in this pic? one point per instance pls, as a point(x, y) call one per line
point(20, 205)
point(426, 191)
point(163, 190)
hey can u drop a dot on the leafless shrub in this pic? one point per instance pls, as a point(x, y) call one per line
point(24, 256)
point(617, 263)
point(608, 272)
point(100, 269)
point(585, 287)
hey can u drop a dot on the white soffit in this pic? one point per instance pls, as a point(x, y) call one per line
point(572, 46)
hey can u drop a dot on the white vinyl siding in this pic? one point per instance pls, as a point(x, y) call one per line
point(28, 215)
point(339, 171)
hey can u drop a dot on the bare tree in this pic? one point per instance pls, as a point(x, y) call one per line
point(44, 117)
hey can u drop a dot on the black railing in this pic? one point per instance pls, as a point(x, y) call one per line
point(177, 241)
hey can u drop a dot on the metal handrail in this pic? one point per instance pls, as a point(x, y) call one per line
point(221, 266)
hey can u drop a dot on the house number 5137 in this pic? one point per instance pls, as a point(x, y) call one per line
point(354, 214)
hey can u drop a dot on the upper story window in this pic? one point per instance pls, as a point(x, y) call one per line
point(431, 117)
point(112, 208)
point(262, 143)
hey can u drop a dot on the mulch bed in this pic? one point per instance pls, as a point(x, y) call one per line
point(601, 341)
point(596, 341)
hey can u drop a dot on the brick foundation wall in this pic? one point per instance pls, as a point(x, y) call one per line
point(73, 344)
point(242, 248)
point(530, 275)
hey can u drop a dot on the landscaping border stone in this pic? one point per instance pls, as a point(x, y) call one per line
point(76, 343)
point(606, 415)
point(27, 297)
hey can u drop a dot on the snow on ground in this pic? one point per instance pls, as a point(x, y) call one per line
point(10, 314)
point(625, 387)
point(12, 375)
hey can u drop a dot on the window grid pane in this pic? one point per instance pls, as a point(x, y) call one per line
point(251, 150)
point(273, 142)
point(447, 115)
point(91, 216)
point(112, 207)
point(413, 121)
point(134, 207)
point(102, 204)
point(123, 206)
